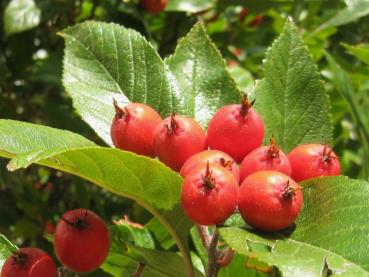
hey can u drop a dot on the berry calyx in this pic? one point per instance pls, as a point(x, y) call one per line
point(269, 200)
point(265, 158)
point(236, 130)
point(153, 6)
point(177, 138)
point(133, 128)
point(209, 194)
point(313, 160)
point(81, 240)
point(211, 156)
point(29, 262)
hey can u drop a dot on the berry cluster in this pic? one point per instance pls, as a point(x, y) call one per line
point(264, 187)
point(81, 243)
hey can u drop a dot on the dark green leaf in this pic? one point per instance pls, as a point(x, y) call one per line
point(21, 15)
point(202, 75)
point(291, 257)
point(334, 217)
point(130, 247)
point(291, 98)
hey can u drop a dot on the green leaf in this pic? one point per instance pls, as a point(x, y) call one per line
point(238, 267)
point(291, 98)
point(134, 245)
point(351, 13)
point(360, 51)
point(105, 61)
point(21, 15)
point(202, 75)
point(292, 258)
point(147, 181)
point(334, 217)
point(243, 78)
point(191, 6)
point(6, 249)
point(29, 142)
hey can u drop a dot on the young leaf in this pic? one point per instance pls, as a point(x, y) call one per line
point(334, 217)
point(105, 61)
point(147, 181)
point(6, 249)
point(291, 98)
point(21, 15)
point(292, 258)
point(202, 76)
point(351, 13)
point(360, 51)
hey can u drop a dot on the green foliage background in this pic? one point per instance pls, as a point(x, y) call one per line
point(31, 89)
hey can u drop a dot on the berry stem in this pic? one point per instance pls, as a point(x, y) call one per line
point(139, 271)
point(173, 125)
point(213, 266)
point(246, 105)
point(273, 150)
point(65, 272)
point(119, 112)
point(80, 223)
point(204, 235)
point(209, 181)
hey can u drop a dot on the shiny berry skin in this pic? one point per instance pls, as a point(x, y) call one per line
point(265, 158)
point(177, 138)
point(211, 156)
point(133, 128)
point(29, 262)
point(236, 130)
point(269, 200)
point(313, 160)
point(81, 240)
point(154, 6)
point(209, 194)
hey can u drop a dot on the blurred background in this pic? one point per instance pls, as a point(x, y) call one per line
point(31, 52)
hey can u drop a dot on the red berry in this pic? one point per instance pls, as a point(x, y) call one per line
point(236, 130)
point(269, 200)
point(154, 6)
point(177, 138)
point(29, 262)
point(313, 160)
point(209, 194)
point(265, 158)
point(257, 21)
point(81, 240)
point(211, 156)
point(242, 14)
point(133, 128)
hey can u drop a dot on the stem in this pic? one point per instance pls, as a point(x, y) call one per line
point(204, 235)
point(213, 266)
point(140, 269)
point(180, 245)
point(65, 272)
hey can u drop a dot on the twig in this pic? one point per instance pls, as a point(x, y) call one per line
point(65, 272)
point(204, 235)
point(213, 266)
point(140, 269)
